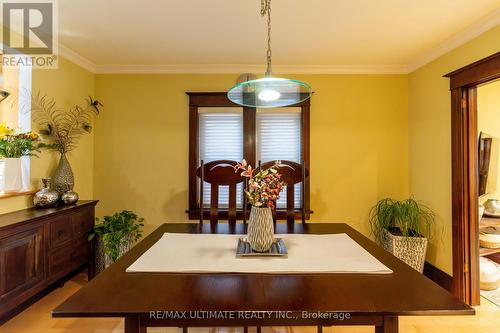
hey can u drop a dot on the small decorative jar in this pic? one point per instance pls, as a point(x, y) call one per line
point(45, 197)
point(69, 197)
point(261, 229)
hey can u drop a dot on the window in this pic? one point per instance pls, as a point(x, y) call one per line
point(220, 129)
point(221, 138)
point(17, 114)
point(279, 136)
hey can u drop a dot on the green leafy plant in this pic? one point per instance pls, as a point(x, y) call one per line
point(116, 230)
point(405, 218)
point(62, 127)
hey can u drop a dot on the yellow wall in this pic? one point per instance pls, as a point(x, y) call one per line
point(69, 85)
point(430, 137)
point(358, 143)
point(8, 109)
point(488, 114)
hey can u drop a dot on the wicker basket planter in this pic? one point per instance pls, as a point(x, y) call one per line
point(411, 250)
point(102, 259)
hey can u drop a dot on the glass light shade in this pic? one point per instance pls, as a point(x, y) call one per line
point(269, 92)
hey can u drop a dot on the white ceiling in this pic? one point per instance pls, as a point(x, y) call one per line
point(308, 35)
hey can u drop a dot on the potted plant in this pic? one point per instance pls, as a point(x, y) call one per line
point(63, 129)
point(115, 236)
point(263, 190)
point(403, 228)
point(14, 145)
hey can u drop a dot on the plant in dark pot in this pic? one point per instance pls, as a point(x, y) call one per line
point(115, 236)
point(403, 228)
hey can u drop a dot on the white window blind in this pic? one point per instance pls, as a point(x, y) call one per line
point(221, 138)
point(279, 138)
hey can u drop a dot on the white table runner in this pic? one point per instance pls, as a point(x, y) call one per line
point(215, 253)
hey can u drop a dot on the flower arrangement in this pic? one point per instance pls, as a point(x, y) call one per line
point(15, 144)
point(264, 187)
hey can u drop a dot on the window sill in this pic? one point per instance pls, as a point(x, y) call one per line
point(281, 214)
point(4, 195)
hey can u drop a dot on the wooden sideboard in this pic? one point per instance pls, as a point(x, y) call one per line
point(39, 247)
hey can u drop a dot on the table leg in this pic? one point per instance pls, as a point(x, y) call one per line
point(133, 325)
point(390, 325)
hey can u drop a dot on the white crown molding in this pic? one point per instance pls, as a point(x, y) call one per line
point(471, 32)
point(458, 39)
point(76, 58)
point(240, 68)
point(69, 54)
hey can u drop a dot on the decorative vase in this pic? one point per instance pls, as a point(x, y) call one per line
point(492, 208)
point(12, 180)
point(260, 229)
point(63, 176)
point(411, 250)
point(69, 197)
point(45, 197)
point(102, 259)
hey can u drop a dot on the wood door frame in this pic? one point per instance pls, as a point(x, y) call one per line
point(464, 145)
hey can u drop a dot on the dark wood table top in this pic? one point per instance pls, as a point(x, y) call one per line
point(115, 293)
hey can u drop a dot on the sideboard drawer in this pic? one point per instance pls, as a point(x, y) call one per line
point(82, 221)
point(68, 257)
point(61, 231)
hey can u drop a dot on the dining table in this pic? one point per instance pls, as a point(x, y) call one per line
point(247, 299)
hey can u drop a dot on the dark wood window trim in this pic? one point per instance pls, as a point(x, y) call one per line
point(219, 99)
point(464, 131)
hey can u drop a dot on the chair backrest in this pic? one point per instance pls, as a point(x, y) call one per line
point(291, 173)
point(219, 173)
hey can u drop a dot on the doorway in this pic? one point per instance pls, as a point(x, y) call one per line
point(488, 109)
point(465, 183)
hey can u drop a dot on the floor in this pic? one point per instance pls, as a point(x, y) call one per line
point(37, 319)
point(492, 296)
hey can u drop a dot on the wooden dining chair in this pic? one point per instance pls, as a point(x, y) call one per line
point(220, 173)
point(292, 173)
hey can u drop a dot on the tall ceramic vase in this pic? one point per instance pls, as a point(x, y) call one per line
point(12, 180)
point(260, 229)
point(63, 176)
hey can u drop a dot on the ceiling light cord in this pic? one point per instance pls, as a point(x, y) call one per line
point(265, 9)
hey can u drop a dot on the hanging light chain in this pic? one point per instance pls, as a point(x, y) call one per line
point(265, 9)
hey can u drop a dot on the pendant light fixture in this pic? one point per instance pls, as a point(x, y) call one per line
point(269, 92)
